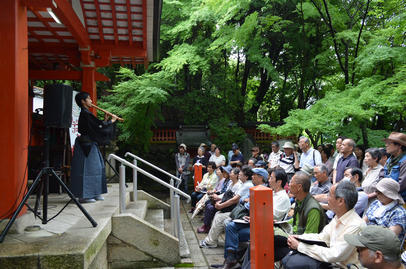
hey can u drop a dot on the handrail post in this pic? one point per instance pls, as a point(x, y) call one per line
point(135, 181)
point(171, 199)
point(177, 217)
point(122, 188)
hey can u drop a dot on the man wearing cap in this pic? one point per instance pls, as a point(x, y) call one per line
point(182, 159)
point(274, 156)
point(260, 164)
point(377, 247)
point(395, 166)
point(387, 210)
point(289, 160)
point(236, 157)
point(337, 251)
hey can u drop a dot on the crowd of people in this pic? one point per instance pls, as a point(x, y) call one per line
point(332, 208)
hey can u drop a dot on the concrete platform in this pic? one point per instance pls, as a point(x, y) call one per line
point(70, 241)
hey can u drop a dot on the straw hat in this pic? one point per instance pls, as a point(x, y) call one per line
point(397, 137)
point(289, 145)
point(390, 188)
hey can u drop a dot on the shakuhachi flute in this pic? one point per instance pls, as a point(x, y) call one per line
point(108, 113)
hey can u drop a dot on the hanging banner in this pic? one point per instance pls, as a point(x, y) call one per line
point(73, 130)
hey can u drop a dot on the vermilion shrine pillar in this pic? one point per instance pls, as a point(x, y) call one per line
point(14, 132)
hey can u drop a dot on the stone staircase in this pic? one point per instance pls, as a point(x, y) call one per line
point(139, 238)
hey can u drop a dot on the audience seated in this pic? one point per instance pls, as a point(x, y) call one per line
point(395, 166)
point(377, 247)
point(336, 251)
point(371, 176)
point(219, 219)
point(274, 156)
point(208, 183)
point(289, 160)
point(322, 184)
point(215, 196)
point(217, 157)
point(308, 216)
point(236, 158)
point(387, 210)
point(327, 158)
point(347, 159)
point(236, 232)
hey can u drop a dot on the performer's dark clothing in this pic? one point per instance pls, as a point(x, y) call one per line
point(88, 178)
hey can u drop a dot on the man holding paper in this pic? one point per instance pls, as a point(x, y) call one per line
point(338, 252)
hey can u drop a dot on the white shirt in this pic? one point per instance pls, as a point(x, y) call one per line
point(308, 158)
point(274, 158)
point(209, 181)
point(371, 179)
point(217, 160)
point(281, 204)
point(338, 252)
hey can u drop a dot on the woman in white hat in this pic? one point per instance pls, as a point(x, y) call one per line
point(387, 210)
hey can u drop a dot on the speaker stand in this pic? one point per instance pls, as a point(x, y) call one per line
point(43, 178)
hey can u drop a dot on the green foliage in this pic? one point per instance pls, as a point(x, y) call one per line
point(226, 133)
point(137, 99)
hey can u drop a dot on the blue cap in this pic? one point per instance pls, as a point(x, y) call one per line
point(261, 171)
point(260, 163)
point(227, 169)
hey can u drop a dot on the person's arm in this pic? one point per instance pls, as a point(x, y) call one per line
point(177, 161)
point(313, 221)
point(321, 197)
point(338, 252)
point(219, 205)
point(334, 176)
point(223, 160)
point(317, 157)
point(402, 176)
point(186, 162)
point(397, 229)
point(296, 163)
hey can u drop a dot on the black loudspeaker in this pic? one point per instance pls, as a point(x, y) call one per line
point(58, 105)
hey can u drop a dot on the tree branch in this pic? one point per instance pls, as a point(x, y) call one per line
point(358, 41)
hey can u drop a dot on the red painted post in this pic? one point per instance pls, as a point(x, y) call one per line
point(13, 105)
point(198, 174)
point(261, 228)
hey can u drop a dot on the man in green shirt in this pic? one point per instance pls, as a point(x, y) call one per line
point(308, 216)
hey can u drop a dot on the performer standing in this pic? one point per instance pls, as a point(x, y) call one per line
point(88, 179)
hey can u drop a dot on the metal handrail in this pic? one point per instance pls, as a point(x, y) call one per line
point(174, 192)
point(153, 166)
point(127, 163)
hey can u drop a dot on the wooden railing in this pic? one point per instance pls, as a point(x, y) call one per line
point(164, 136)
point(168, 136)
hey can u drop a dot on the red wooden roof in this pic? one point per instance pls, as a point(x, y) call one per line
point(91, 33)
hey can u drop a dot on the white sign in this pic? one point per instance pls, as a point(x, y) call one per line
point(74, 129)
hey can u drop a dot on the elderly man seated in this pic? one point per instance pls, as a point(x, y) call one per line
point(335, 251)
point(377, 247)
point(323, 184)
point(308, 215)
point(387, 210)
point(208, 183)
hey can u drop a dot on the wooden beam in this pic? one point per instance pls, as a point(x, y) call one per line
point(62, 75)
point(68, 17)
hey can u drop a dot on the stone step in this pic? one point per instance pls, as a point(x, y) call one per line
point(156, 218)
point(137, 208)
